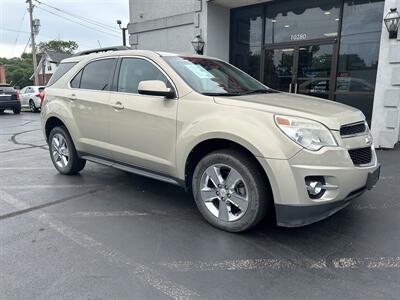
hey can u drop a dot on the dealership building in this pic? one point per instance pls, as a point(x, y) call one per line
point(338, 50)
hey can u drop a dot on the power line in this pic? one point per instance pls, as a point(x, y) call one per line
point(14, 30)
point(81, 18)
point(76, 22)
point(19, 28)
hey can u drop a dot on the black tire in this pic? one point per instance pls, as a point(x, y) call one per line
point(17, 111)
point(75, 163)
point(257, 192)
point(32, 106)
point(2, 111)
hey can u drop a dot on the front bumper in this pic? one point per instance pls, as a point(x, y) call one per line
point(293, 204)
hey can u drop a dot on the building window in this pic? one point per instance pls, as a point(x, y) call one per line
point(301, 20)
point(359, 54)
point(247, 39)
point(48, 68)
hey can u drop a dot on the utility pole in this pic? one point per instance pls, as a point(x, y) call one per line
point(30, 10)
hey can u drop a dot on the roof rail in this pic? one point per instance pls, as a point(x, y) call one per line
point(106, 49)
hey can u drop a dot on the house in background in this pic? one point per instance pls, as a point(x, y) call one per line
point(3, 74)
point(47, 65)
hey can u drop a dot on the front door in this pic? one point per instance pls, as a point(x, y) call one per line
point(142, 127)
point(305, 68)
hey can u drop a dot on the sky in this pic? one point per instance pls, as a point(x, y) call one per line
point(14, 23)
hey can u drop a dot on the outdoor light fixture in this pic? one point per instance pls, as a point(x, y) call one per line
point(198, 44)
point(392, 22)
point(123, 29)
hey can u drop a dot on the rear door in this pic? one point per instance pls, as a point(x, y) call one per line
point(22, 96)
point(89, 98)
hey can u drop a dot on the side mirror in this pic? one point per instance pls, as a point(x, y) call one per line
point(155, 88)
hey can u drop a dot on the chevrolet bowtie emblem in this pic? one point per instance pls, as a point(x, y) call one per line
point(367, 140)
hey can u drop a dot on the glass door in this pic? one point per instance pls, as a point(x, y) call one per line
point(279, 68)
point(302, 68)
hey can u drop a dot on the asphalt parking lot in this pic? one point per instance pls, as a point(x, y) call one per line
point(106, 234)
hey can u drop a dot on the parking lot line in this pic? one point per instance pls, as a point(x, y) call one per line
point(122, 213)
point(145, 274)
point(342, 263)
point(48, 186)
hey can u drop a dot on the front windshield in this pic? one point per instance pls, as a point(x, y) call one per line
point(214, 77)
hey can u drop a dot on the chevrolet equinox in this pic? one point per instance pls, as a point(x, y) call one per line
point(244, 150)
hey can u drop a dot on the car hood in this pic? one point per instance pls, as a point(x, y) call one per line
point(330, 113)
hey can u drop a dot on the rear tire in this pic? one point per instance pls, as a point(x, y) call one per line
point(63, 153)
point(2, 111)
point(32, 106)
point(230, 190)
point(17, 111)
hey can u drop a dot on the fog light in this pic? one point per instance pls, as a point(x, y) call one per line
point(315, 186)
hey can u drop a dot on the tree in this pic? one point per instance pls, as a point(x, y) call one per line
point(58, 46)
point(18, 69)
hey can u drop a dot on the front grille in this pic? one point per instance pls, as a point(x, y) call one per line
point(361, 156)
point(351, 129)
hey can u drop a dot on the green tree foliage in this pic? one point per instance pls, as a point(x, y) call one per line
point(58, 46)
point(18, 69)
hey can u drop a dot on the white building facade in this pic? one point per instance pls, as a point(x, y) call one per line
point(334, 49)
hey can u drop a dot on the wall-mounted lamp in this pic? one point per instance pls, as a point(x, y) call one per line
point(198, 44)
point(392, 22)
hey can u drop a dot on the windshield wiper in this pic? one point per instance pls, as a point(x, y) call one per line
point(259, 91)
point(222, 94)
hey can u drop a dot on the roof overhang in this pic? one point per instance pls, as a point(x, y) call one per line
point(237, 3)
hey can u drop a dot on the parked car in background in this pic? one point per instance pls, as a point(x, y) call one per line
point(244, 150)
point(9, 99)
point(31, 96)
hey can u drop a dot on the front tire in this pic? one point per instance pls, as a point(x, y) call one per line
point(230, 190)
point(63, 153)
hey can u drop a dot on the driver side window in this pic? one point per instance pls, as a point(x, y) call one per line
point(135, 70)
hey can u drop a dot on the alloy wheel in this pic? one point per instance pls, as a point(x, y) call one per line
point(59, 150)
point(224, 192)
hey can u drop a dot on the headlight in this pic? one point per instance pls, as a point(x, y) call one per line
point(307, 133)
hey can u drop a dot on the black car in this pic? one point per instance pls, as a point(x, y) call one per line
point(9, 99)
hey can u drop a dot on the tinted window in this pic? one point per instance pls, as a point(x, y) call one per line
point(6, 89)
point(301, 20)
point(97, 75)
point(247, 39)
point(75, 83)
point(60, 71)
point(135, 70)
point(359, 53)
point(41, 89)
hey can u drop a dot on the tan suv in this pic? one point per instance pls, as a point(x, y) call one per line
point(243, 149)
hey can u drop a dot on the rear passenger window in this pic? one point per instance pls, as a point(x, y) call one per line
point(60, 71)
point(76, 82)
point(97, 75)
point(135, 70)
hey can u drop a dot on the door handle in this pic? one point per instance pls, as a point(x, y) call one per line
point(72, 97)
point(118, 105)
point(290, 88)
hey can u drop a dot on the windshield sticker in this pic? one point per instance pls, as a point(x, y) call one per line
point(199, 71)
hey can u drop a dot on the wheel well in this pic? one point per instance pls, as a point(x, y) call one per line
point(212, 145)
point(50, 124)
